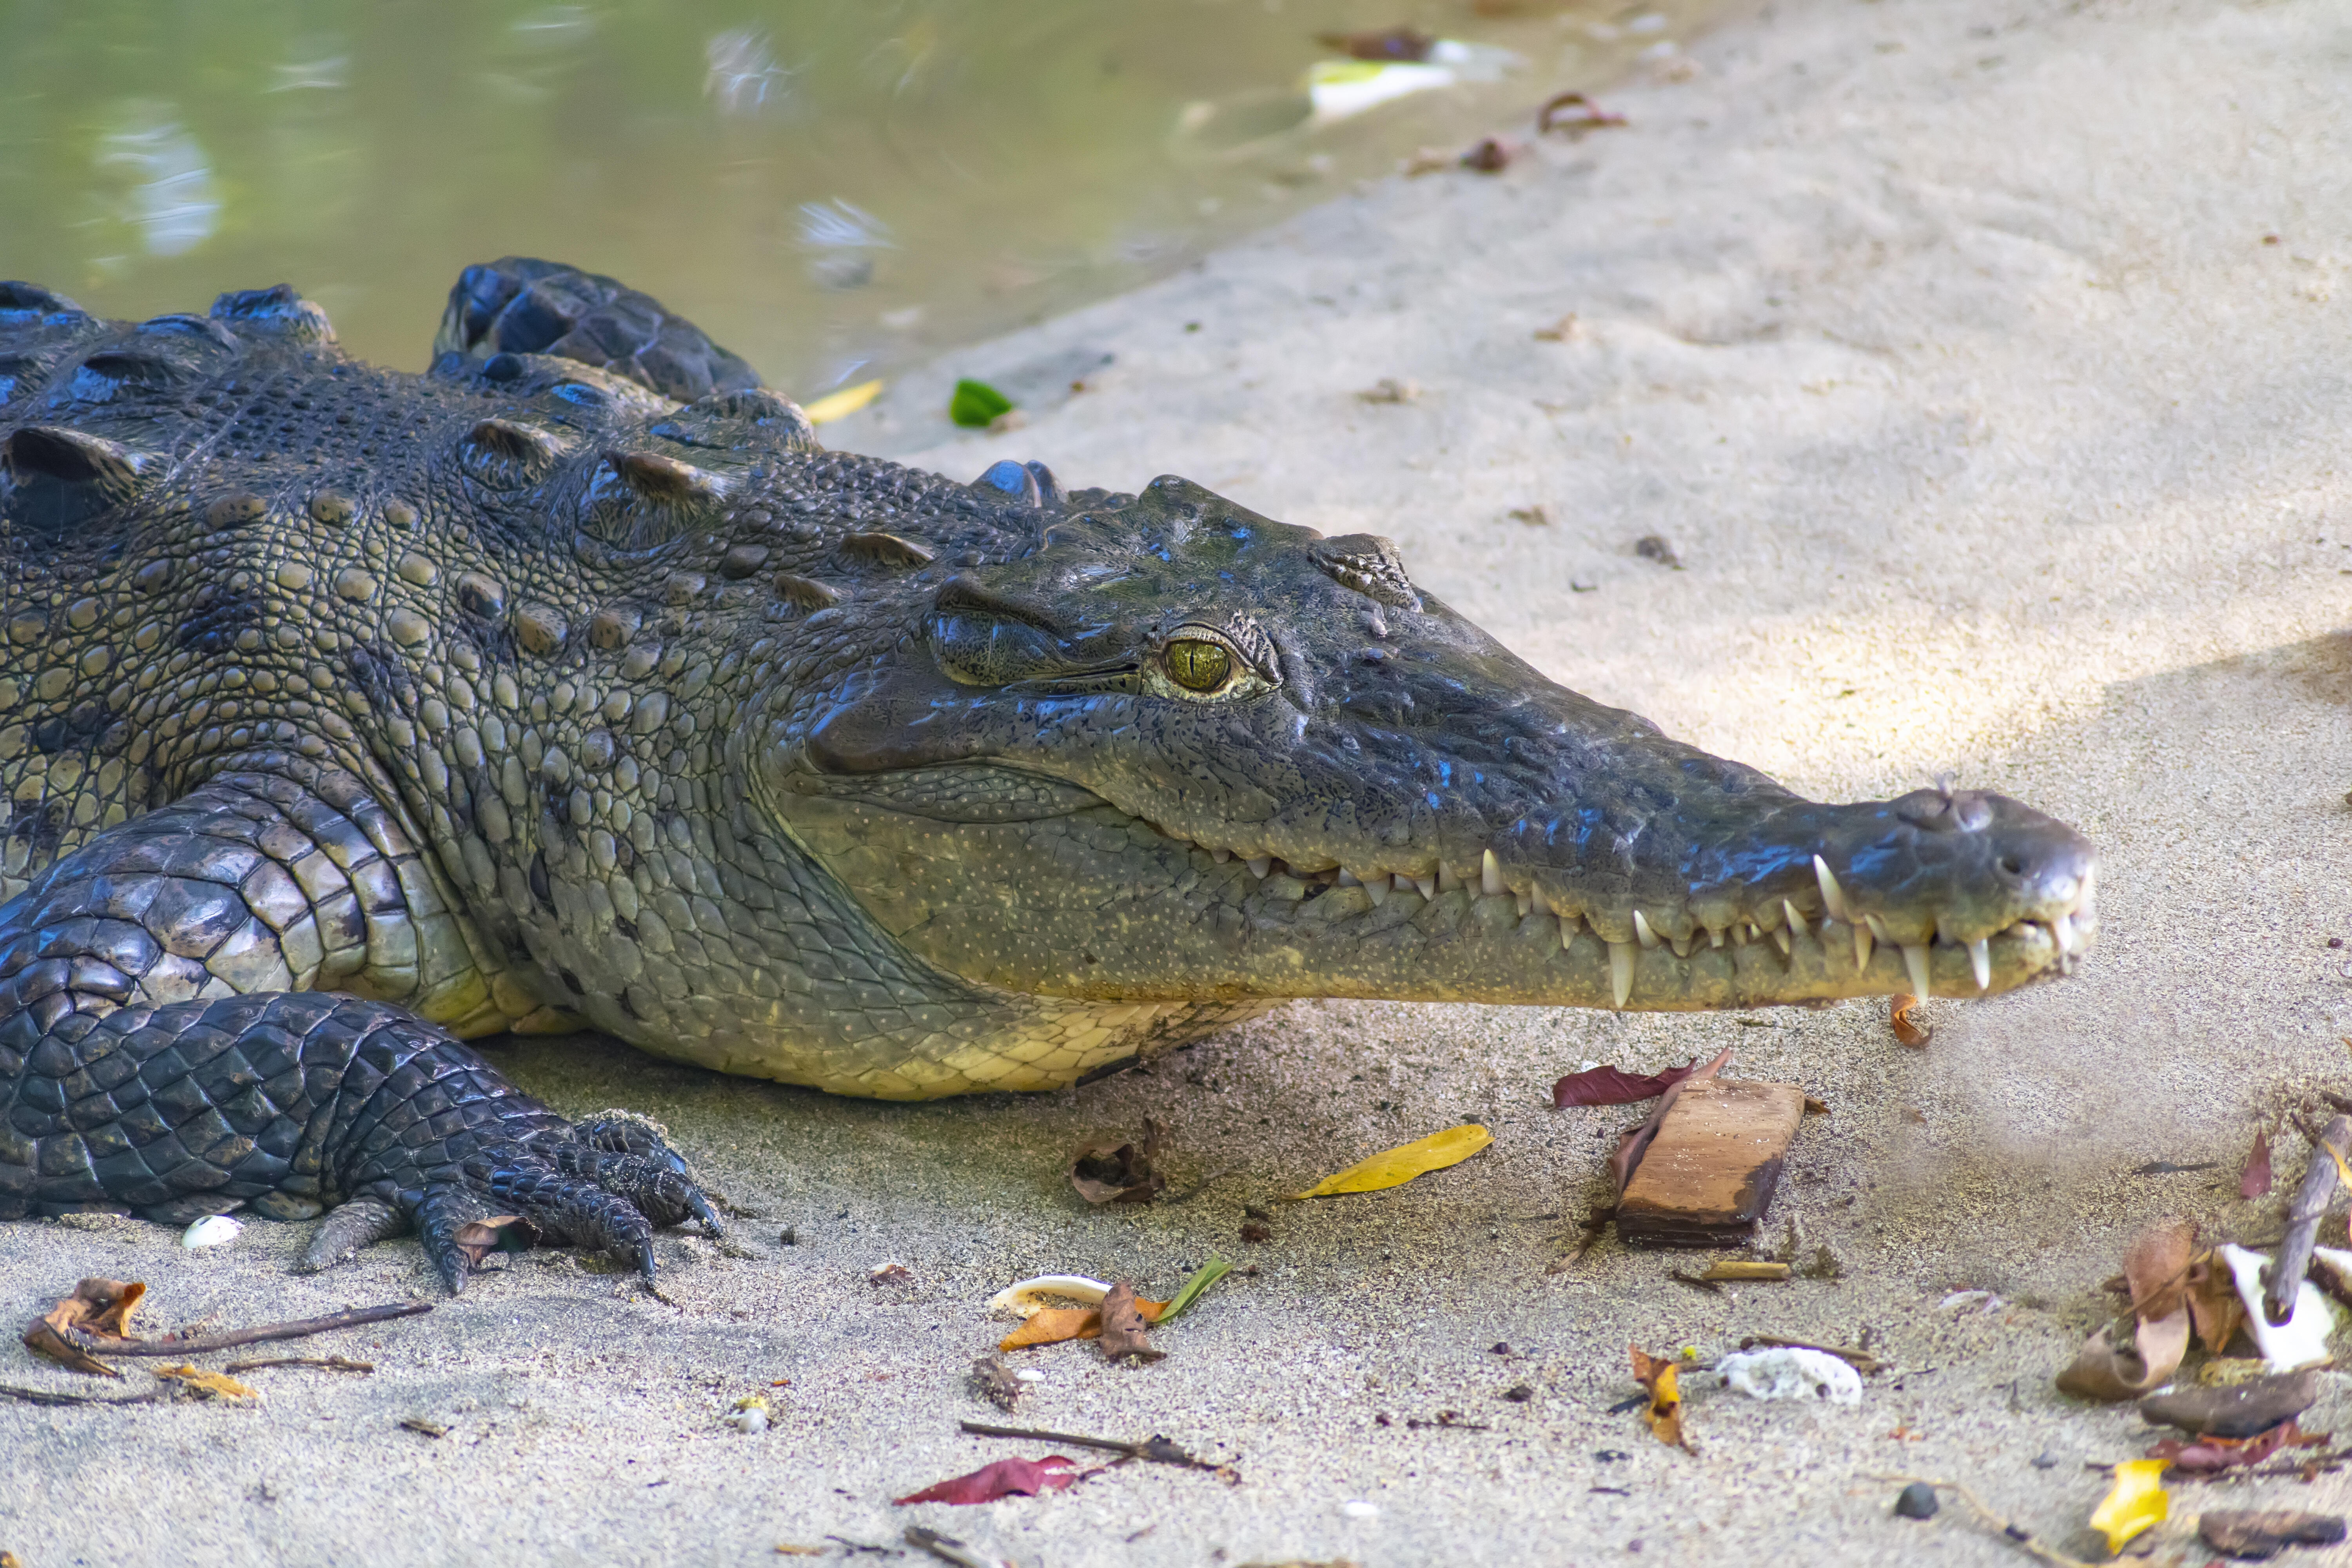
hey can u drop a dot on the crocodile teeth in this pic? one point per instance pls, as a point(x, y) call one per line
point(1527, 904)
point(1877, 928)
point(2062, 929)
point(1447, 880)
point(1739, 937)
point(1377, 889)
point(1861, 943)
point(1641, 931)
point(1490, 875)
point(1796, 921)
point(1832, 895)
point(1713, 936)
point(1428, 885)
point(1259, 865)
point(1915, 958)
point(1220, 855)
point(1780, 940)
point(1347, 879)
point(1620, 970)
point(1980, 960)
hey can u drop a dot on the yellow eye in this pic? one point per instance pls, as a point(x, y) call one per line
point(1196, 664)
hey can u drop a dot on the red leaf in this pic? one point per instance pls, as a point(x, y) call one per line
point(2256, 1181)
point(1006, 1478)
point(1612, 1086)
point(2209, 1453)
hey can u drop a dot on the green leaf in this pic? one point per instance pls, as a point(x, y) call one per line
point(976, 404)
point(1208, 1274)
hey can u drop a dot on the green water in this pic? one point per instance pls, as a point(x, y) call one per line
point(832, 187)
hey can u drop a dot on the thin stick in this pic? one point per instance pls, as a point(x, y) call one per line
point(2025, 1539)
point(294, 1330)
point(331, 1362)
point(1159, 1451)
point(2320, 1180)
point(58, 1397)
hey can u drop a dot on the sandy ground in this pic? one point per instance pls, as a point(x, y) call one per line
point(1985, 365)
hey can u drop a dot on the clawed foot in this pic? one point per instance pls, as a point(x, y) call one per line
point(605, 1184)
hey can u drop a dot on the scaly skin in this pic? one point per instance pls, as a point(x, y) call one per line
point(346, 713)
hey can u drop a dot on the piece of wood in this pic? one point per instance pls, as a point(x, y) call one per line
point(1709, 1175)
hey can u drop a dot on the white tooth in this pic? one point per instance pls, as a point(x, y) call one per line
point(1447, 880)
point(1641, 931)
point(1796, 921)
point(1378, 890)
point(2063, 928)
point(1877, 928)
point(1780, 940)
point(1755, 932)
point(1527, 903)
point(1739, 937)
point(1833, 896)
point(1490, 875)
point(1428, 885)
point(1348, 878)
point(1860, 947)
point(1980, 960)
point(1259, 865)
point(1567, 929)
point(1401, 883)
point(1620, 970)
point(1220, 855)
point(1713, 936)
point(1682, 947)
point(1915, 958)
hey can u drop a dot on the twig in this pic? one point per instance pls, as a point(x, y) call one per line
point(2284, 1279)
point(332, 1364)
point(2025, 1539)
point(1862, 1361)
point(1159, 1451)
point(294, 1330)
point(58, 1397)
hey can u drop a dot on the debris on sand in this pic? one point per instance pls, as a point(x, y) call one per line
point(1122, 1171)
point(2259, 1533)
point(1006, 1477)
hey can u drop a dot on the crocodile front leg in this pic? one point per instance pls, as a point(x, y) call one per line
point(160, 1058)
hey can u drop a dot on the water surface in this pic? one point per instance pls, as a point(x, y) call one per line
point(831, 188)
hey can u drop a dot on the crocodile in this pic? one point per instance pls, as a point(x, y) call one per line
point(348, 715)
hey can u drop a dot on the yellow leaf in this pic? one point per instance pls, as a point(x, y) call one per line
point(1401, 1164)
point(2136, 1502)
point(211, 1384)
point(841, 404)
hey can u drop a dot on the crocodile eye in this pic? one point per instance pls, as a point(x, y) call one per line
point(1196, 664)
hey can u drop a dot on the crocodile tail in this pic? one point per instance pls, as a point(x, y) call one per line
point(521, 305)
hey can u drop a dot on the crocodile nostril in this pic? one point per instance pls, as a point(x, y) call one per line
point(2010, 865)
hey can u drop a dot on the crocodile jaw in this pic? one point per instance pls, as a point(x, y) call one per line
point(1095, 904)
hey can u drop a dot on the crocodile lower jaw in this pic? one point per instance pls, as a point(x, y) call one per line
point(1820, 956)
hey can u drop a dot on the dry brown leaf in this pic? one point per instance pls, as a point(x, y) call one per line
point(2255, 1181)
point(210, 1384)
point(1122, 1326)
point(499, 1232)
point(99, 1310)
point(1052, 1325)
point(2104, 1371)
point(2214, 1307)
point(2157, 1268)
point(1661, 1382)
point(1125, 1173)
point(1902, 1017)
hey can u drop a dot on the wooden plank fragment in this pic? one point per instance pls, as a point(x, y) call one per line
point(1708, 1177)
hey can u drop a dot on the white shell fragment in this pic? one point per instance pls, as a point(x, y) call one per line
point(1028, 1298)
point(210, 1231)
point(1791, 1373)
point(749, 1415)
point(2303, 1338)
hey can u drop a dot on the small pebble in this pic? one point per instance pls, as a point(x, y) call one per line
point(2046, 1460)
point(1917, 1502)
point(210, 1231)
point(751, 1420)
point(1518, 1393)
point(791, 1237)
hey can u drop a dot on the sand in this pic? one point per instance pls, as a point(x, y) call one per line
point(1985, 367)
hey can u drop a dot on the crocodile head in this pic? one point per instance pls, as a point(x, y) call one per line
point(1176, 751)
